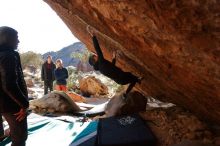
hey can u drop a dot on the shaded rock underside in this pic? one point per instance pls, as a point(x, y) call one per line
point(173, 44)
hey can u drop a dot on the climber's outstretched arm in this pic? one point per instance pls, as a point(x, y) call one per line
point(97, 48)
point(114, 57)
point(95, 43)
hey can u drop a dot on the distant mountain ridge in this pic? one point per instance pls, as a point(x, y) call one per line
point(66, 52)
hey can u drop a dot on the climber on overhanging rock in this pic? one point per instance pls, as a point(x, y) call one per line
point(109, 69)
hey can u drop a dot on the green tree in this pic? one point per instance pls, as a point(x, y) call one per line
point(84, 56)
point(73, 77)
point(31, 58)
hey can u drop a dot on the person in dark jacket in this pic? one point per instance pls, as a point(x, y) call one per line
point(61, 74)
point(47, 74)
point(13, 90)
point(109, 69)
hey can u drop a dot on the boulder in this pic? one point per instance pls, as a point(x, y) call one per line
point(51, 102)
point(173, 44)
point(92, 86)
point(174, 125)
point(193, 143)
point(119, 105)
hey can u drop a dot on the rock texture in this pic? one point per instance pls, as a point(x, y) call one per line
point(92, 86)
point(193, 143)
point(52, 103)
point(118, 105)
point(174, 125)
point(33, 81)
point(173, 44)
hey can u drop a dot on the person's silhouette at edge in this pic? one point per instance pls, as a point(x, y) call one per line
point(13, 90)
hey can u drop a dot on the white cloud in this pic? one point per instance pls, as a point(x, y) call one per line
point(40, 28)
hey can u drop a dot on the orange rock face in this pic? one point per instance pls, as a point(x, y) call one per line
point(173, 44)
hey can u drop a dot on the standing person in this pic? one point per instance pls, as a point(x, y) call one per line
point(61, 74)
point(109, 69)
point(13, 90)
point(47, 74)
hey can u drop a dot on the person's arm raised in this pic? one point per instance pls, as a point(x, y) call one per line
point(95, 43)
point(114, 57)
point(97, 48)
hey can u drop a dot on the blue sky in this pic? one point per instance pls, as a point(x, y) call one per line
point(40, 28)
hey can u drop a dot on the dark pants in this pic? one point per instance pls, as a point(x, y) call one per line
point(18, 130)
point(1, 126)
point(127, 78)
point(131, 85)
point(48, 84)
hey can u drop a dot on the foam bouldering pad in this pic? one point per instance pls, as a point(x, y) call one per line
point(89, 142)
point(127, 130)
